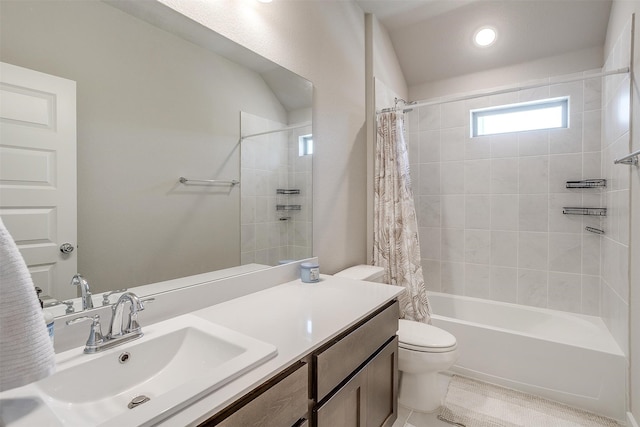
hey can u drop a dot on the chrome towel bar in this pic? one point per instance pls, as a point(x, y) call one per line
point(184, 180)
point(629, 159)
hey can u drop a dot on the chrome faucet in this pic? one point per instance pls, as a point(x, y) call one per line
point(119, 331)
point(117, 327)
point(80, 281)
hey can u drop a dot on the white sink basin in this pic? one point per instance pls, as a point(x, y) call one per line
point(175, 363)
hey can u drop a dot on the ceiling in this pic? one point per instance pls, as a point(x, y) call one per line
point(433, 38)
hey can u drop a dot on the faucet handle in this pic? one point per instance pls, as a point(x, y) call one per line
point(133, 325)
point(69, 308)
point(80, 319)
point(143, 300)
point(106, 295)
point(95, 333)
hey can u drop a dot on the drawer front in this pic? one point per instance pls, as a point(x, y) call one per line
point(283, 404)
point(338, 361)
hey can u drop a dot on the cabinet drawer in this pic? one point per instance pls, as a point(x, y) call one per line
point(281, 404)
point(336, 362)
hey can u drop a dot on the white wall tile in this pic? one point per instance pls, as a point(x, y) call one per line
point(504, 212)
point(532, 287)
point(428, 211)
point(477, 175)
point(453, 211)
point(505, 145)
point(454, 114)
point(591, 129)
point(533, 250)
point(567, 140)
point(452, 178)
point(477, 148)
point(504, 176)
point(452, 277)
point(504, 248)
point(430, 246)
point(591, 295)
point(429, 147)
point(565, 252)
point(477, 246)
point(432, 275)
point(504, 284)
point(591, 254)
point(563, 168)
point(478, 212)
point(501, 231)
point(429, 179)
point(477, 280)
point(452, 142)
point(429, 117)
point(452, 245)
point(565, 292)
point(534, 212)
point(533, 175)
point(560, 222)
point(534, 143)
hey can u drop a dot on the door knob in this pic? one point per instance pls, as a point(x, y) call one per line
point(66, 248)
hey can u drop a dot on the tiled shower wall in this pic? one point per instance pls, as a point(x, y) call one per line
point(615, 144)
point(490, 208)
point(270, 162)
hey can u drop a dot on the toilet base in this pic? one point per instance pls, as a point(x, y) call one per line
point(420, 392)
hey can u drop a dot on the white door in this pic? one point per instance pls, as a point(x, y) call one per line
point(38, 173)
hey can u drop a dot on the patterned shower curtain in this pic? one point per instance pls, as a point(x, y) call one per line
point(396, 246)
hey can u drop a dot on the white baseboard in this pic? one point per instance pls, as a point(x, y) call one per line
point(631, 421)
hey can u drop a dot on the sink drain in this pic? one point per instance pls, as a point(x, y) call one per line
point(137, 401)
point(124, 357)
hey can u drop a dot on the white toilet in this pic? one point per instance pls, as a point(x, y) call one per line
point(424, 351)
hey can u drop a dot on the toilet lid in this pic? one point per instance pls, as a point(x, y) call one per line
point(422, 337)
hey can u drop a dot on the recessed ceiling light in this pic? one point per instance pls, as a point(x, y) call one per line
point(485, 36)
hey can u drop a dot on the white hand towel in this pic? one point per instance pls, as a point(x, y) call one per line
point(26, 352)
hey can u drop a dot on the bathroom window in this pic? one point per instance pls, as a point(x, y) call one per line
point(305, 144)
point(545, 114)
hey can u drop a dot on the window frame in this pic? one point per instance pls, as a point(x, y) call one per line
point(305, 145)
point(523, 106)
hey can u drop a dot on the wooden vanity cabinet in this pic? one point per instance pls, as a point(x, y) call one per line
point(356, 376)
point(280, 402)
point(350, 381)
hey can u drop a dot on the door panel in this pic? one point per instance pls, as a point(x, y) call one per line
point(38, 173)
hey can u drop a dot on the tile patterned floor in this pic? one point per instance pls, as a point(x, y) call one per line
point(409, 418)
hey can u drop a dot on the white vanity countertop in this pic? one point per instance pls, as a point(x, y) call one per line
point(297, 318)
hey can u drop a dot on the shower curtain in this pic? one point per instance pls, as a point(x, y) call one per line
point(396, 246)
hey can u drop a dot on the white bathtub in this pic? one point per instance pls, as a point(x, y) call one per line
point(569, 358)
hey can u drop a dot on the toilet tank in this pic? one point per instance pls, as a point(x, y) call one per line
point(370, 273)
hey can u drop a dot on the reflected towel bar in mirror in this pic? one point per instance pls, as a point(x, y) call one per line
point(184, 180)
point(587, 183)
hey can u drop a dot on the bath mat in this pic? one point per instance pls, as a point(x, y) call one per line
point(471, 403)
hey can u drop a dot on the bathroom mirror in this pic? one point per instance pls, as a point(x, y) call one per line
point(159, 97)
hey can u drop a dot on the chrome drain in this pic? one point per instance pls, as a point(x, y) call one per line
point(137, 401)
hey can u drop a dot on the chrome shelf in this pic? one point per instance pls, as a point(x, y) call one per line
point(585, 211)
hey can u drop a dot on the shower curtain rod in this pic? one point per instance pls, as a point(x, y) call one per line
point(296, 126)
point(424, 103)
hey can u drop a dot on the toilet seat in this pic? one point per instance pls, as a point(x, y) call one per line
point(417, 336)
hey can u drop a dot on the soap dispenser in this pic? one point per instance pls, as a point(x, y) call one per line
point(48, 317)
